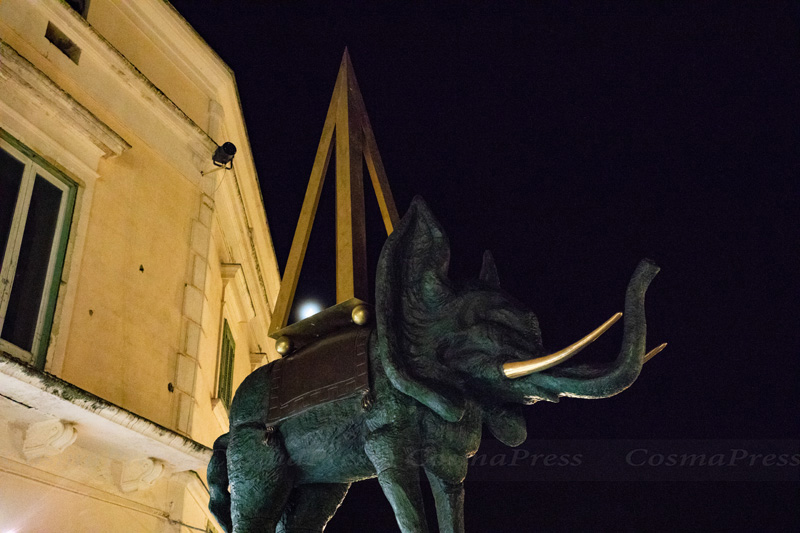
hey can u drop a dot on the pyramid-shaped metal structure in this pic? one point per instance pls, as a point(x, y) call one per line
point(348, 129)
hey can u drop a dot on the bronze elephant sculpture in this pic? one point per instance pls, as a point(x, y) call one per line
point(444, 360)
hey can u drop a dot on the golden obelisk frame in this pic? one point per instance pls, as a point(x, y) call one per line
point(346, 119)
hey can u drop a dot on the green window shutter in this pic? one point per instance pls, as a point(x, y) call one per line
point(225, 391)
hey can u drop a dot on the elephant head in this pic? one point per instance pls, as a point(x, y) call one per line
point(441, 343)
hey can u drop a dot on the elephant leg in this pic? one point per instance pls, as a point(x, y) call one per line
point(449, 498)
point(398, 473)
point(310, 507)
point(258, 469)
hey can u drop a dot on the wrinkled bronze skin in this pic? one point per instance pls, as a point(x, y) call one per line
point(436, 378)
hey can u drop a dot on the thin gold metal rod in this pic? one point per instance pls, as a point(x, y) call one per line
point(291, 274)
point(652, 353)
point(377, 173)
point(517, 369)
point(380, 182)
point(351, 244)
point(346, 122)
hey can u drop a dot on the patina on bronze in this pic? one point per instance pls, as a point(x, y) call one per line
point(435, 368)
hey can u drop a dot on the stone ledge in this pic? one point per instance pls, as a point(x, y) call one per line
point(30, 395)
point(42, 91)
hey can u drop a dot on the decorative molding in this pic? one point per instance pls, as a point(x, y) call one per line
point(194, 306)
point(216, 118)
point(91, 41)
point(240, 299)
point(60, 483)
point(182, 44)
point(220, 413)
point(48, 438)
point(103, 425)
point(20, 76)
point(228, 271)
point(140, 474)
point(36, 111)
point(102, 62)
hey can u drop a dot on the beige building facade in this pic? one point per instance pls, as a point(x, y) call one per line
point(138, 273)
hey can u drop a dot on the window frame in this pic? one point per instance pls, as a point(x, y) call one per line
point(227, 355)
point(35, 166)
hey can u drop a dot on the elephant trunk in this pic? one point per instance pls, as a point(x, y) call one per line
point(602, 382)
point(597, 381)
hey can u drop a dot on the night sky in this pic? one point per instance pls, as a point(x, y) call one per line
point(573, 139)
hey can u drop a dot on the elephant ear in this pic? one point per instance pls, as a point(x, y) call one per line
point(411, 287)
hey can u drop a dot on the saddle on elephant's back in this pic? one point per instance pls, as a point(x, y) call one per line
point(330, 369)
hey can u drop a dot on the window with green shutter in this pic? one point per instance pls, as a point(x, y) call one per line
point(225, 390)
point(36, 203)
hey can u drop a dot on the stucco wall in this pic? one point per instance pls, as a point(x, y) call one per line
point(158, 256)
point(126, 324)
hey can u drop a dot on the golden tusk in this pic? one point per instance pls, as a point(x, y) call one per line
point(517, 369)
point(652, 353)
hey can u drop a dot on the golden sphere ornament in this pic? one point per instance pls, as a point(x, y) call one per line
point(360, 315)
point(283, 345)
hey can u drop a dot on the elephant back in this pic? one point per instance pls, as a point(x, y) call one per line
point(332, 368)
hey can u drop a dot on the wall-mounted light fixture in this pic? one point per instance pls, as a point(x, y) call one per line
point(223, 157)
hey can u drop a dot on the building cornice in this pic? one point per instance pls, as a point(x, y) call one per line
point(92, 42)
point(180, 42)
point(100, 424)
point(20, 76)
